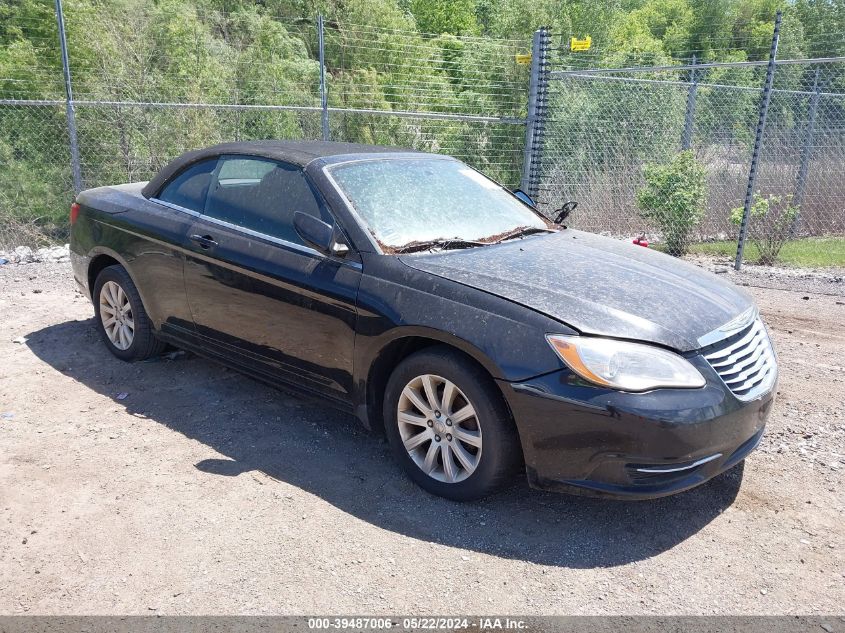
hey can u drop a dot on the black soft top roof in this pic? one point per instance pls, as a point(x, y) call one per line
point(294, 152)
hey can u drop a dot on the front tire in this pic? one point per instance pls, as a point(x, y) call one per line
point(121, 319)
point(448, 426)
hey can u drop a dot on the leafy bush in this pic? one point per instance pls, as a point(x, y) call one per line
point(769, 224)
point(674, 196)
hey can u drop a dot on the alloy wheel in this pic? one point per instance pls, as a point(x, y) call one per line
point(116, 315)
point(439, 428)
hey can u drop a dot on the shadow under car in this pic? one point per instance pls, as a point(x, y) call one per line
point(329, 454)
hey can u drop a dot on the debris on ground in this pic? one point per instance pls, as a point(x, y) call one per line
point(26, 255)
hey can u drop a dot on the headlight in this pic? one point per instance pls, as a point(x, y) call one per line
point(625, 366)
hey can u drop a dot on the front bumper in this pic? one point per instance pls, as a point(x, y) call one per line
point(588, 440)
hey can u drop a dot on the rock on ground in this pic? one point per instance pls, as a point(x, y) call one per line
point(26, 255)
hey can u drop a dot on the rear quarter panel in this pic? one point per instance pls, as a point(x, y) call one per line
point(145, 237)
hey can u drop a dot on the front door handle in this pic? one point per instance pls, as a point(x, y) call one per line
point(205, 241)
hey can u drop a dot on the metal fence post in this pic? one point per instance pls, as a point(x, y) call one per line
point(758, 141)
point(324, 96)
point(689, 119)
point(76, 170)
point(537, 108)
point(806, 153)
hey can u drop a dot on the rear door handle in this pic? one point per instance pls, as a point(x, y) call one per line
point(205, 241)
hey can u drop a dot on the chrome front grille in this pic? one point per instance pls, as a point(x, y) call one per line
point(745, 361)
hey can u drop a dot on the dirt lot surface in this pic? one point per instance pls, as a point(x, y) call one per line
point(178, 487)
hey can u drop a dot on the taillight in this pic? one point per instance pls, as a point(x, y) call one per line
point(74, 212)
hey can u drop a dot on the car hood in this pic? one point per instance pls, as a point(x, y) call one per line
point(597, 285)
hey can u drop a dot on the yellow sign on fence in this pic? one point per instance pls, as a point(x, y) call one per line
point(580, 45)
point(524, 58)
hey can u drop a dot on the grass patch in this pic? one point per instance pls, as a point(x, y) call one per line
point(810, 252)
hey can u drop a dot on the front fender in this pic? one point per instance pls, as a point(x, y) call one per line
point(398, 302)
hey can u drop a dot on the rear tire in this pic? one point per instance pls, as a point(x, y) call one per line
point(448, 425)
point(121, 319)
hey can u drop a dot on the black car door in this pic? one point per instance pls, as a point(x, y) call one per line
point(158, 267)
point(261, 296)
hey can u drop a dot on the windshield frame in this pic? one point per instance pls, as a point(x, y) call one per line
point(386, 249)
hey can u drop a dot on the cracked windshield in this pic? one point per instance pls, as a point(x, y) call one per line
point(419, 201)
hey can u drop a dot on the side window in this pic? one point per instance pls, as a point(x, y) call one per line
point(189, 188)
point(262, 195)
point(243, 171)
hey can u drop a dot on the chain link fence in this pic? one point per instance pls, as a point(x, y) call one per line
point(35, 172)
point(803, 152)
point(605, 130)
point(151, 83)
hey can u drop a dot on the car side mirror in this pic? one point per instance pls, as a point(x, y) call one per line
point(319, 234)
point(565, 210)
point(519, 193)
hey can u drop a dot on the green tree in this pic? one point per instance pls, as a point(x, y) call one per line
point(520, 18)
point(674, 197)
point(770, 223)
point(821, 20)
point(445, 16)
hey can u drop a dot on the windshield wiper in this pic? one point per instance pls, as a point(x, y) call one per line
point(445, 244)
point(522, 231)
point(441, 243)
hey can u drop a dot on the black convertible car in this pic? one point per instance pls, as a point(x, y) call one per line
point(436, 305)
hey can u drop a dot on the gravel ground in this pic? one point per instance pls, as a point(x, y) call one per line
point(179, 487)
point(829, 281)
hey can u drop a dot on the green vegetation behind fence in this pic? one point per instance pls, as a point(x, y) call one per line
point(153, 79)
